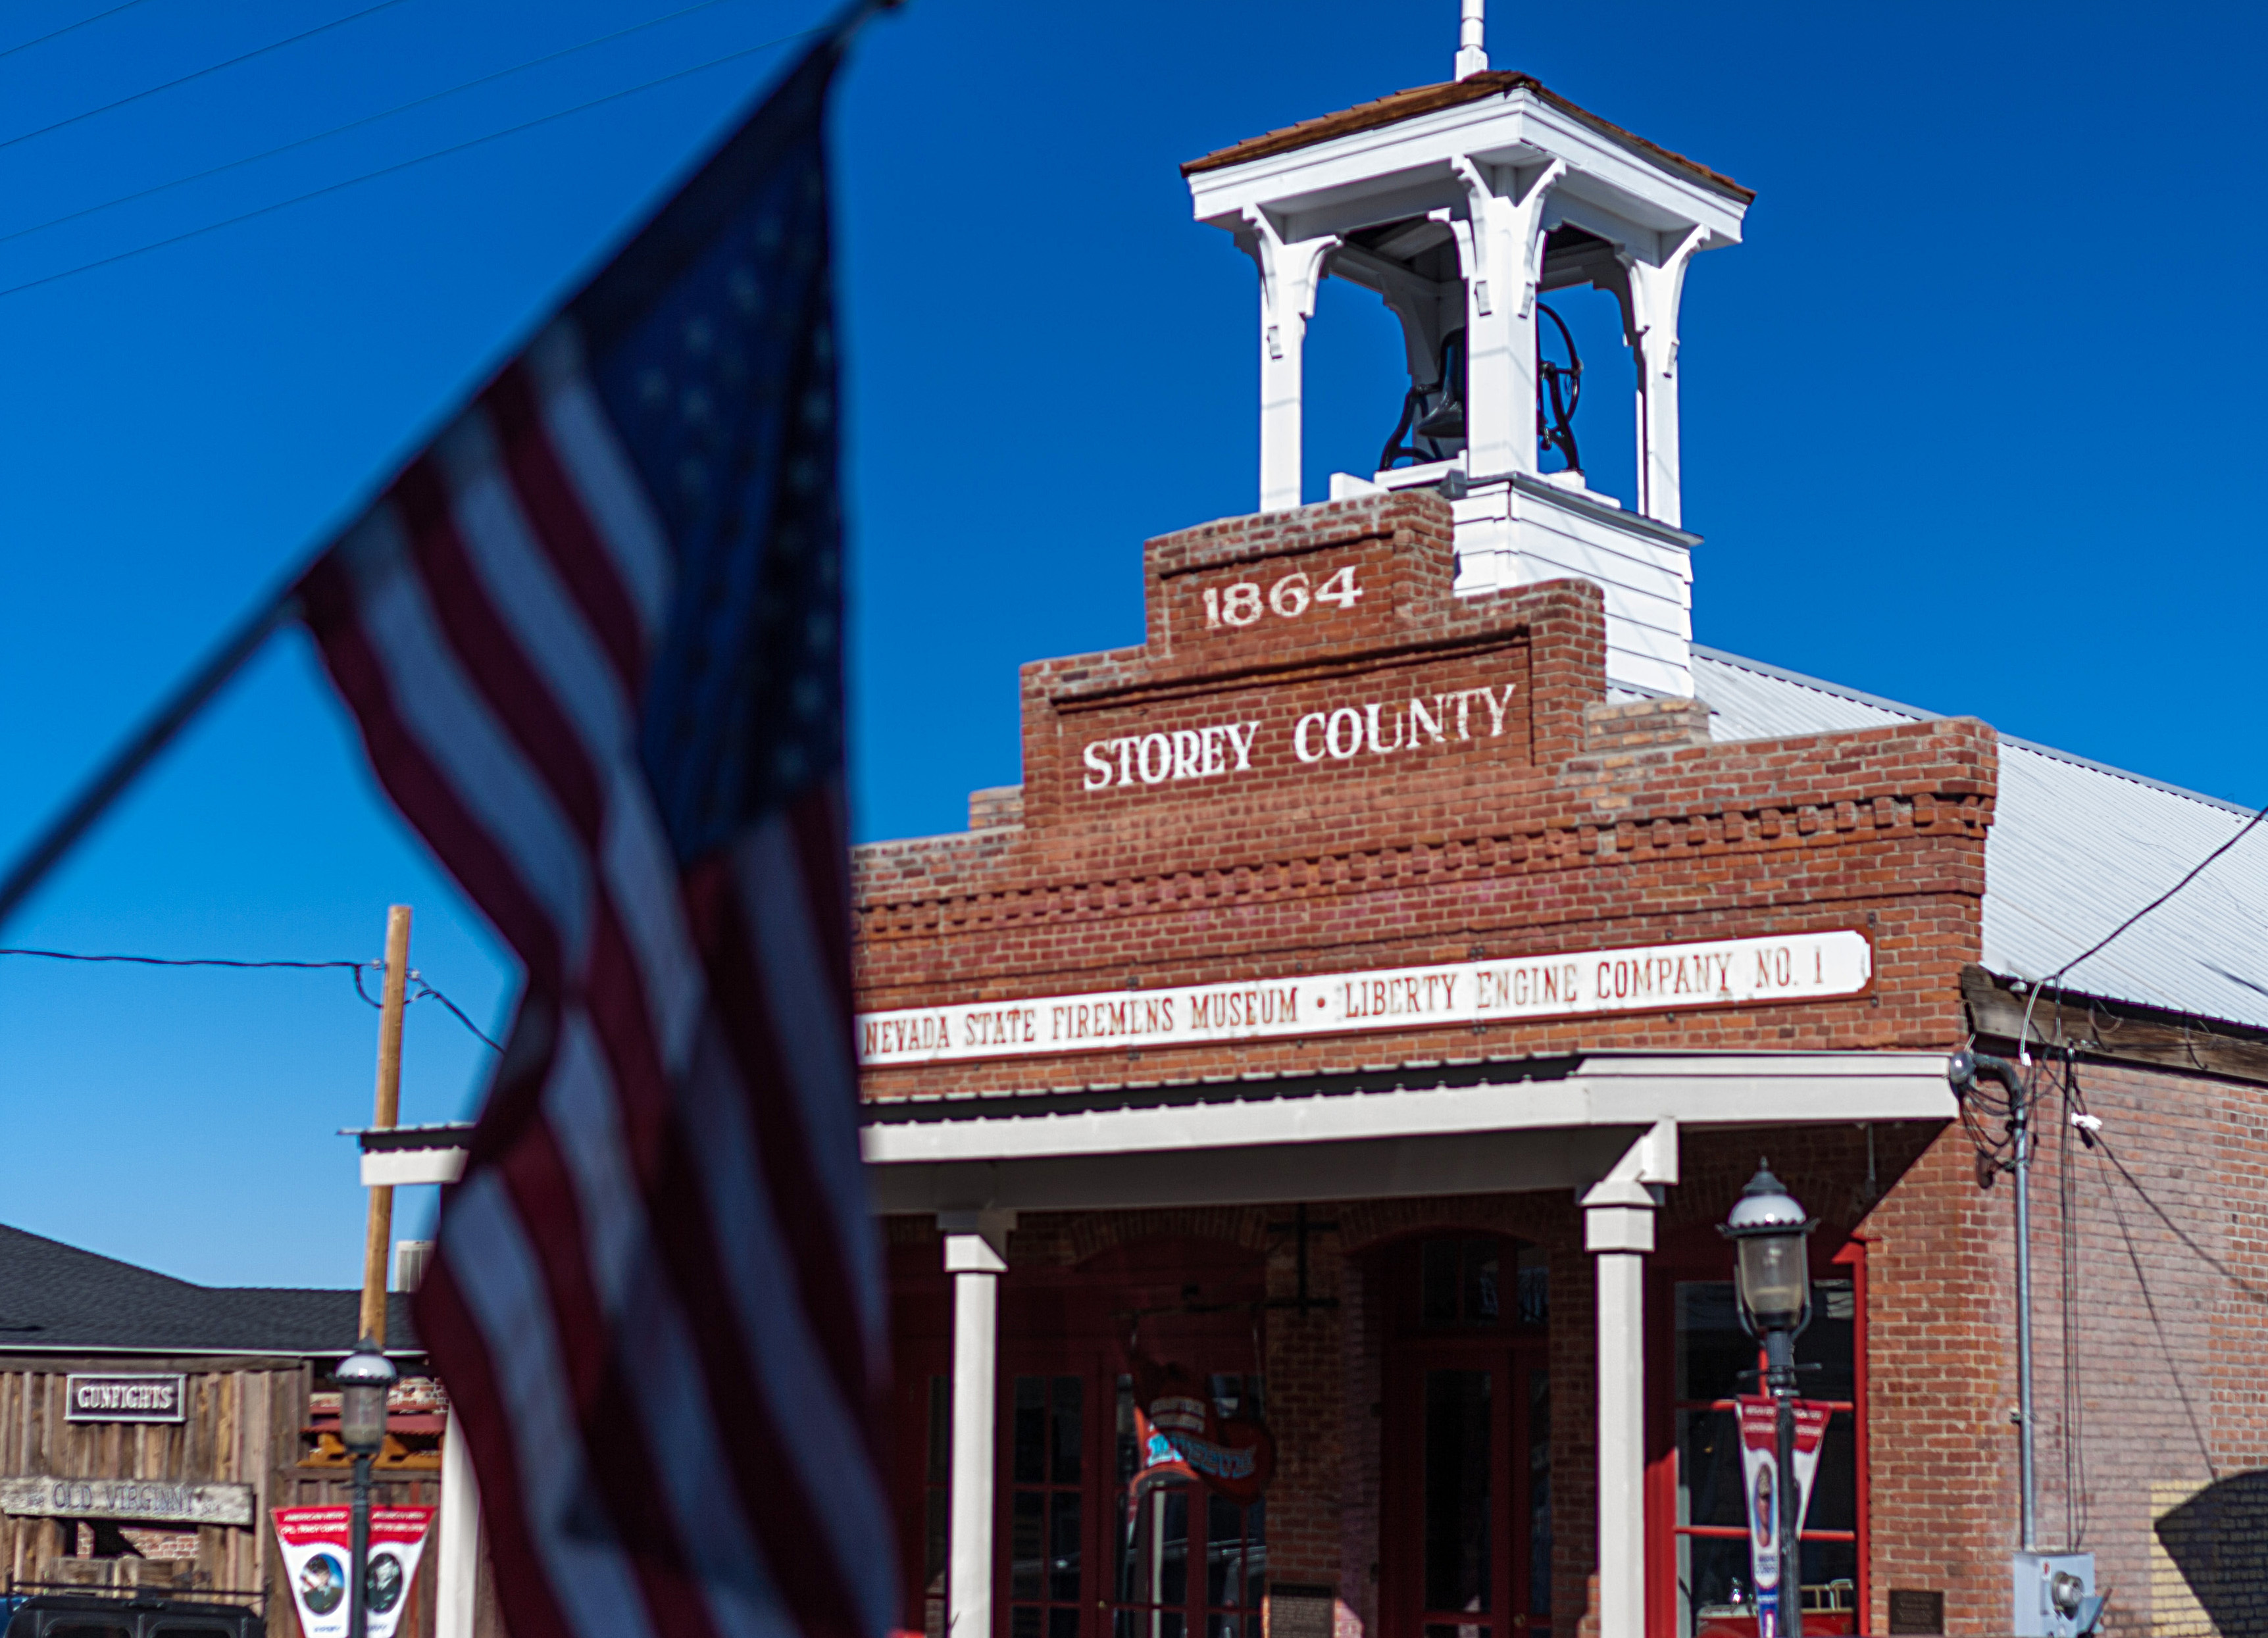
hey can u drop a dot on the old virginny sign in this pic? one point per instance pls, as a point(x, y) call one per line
point(1801, 967)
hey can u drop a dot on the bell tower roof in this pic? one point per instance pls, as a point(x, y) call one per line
point(1424, 99)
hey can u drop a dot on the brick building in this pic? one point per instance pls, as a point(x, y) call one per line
point(1387, 973)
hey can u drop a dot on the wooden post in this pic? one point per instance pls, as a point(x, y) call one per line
point(393, 998)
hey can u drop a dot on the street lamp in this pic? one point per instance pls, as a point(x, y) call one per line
point(364, 1378)
point(1772, 1276)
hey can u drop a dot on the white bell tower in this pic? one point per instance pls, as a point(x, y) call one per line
point(1459, 204)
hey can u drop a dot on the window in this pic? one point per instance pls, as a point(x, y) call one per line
point(1187, 1563)
point(1043, 1501)
point(1461, 1284)
point(1715, 1362)
point(937, 1505)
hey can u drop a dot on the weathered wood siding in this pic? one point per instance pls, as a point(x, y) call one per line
point(241, 1426)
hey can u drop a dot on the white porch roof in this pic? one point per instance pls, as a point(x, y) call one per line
point(1543, 1123)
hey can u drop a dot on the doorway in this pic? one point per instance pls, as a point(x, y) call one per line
point(1466, 1546)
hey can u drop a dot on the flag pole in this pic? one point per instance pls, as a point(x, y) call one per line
point(94, 799)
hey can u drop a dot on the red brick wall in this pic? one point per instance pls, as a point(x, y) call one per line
point(1518, 843)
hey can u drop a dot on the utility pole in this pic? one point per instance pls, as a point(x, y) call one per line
point(392, 999)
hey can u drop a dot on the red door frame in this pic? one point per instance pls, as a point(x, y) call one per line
point(1695, 1260)
point(1401, 1611)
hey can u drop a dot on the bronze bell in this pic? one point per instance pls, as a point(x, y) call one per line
point(1446, 419)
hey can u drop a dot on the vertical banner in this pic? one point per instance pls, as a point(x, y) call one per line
point(1760, 1472)
point(317, 1546)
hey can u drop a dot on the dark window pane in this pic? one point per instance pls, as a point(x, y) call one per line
point(1712, 1581)
point(1539, 1495)
point(1222, 1626)
point(1068, 1436)
point(1480, 1299)
point(934, 1543)
point(1830, 1341)
point(1835, 1487)
point(1026, 1544)
point(1438, 1280)
point(1129, 1453)
point(1223, 1551)
point(1830, 1574)
point(1172, 1549)
point(1024, 1622)
point(1708, 1468)
point(1063, 1545)
point(1063, 1623)
point(940, 1430)
point(1535, 1273)
point(1712, 1350)
point(1031, 1430)
point(1457, 1442)
point(1154, 1547)
point(1256, 1554)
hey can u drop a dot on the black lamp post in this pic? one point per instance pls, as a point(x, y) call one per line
point(365, 1378)
point(1771, 1274)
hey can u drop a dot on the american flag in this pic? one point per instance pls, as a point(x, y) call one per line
point(592, 638)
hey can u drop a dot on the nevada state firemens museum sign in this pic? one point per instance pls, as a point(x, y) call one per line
point(1722, 973)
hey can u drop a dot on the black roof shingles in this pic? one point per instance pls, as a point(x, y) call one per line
point(55, 1297)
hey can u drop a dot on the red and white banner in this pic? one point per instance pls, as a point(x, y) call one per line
point(1760, 1469)
point(318, 1546)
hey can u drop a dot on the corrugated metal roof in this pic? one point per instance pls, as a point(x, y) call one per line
point(2075, 848)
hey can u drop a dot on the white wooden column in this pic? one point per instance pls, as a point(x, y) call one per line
point(975, 1255)
point(1654, 293)
point(1289, 274)
point(1500, 245)
point(457, 1537)
point(1618, 1231)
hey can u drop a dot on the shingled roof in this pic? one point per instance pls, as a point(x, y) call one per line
point(1408, 105)
point(57, 1297)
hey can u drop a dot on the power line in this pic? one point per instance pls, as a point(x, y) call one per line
point(425, 991)
point(57, 33)
point(278, 45)
point(181, 961)
point(340, 130)
point(2103, 943)
point(403, 164)
point(2055, 978)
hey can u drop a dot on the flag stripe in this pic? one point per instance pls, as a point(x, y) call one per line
point(561, 526)
point(783, 1146)
point(604, 1397)
point(598, 470)
point(430, 800)
point(501, 1427)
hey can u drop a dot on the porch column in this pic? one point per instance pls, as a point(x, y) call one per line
point(458, 1536)
point(975, 1255)
point(1618, 1230)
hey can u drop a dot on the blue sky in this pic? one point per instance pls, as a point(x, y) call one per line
point(1969, 422)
